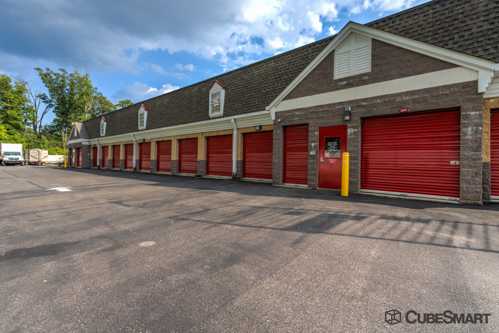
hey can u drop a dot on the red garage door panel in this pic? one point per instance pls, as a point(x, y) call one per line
point(187, 151)
point(296, 154)
point(257, 159)
point(219, 154)
point(94, 157)
point(78, 157)
point(164, 155)
point(494, 152)
point(116, 156)
point(145, 156)
point(104, 157)
point(416, 153)
point(129, 156)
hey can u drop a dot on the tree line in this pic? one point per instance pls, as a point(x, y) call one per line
point(70, 97)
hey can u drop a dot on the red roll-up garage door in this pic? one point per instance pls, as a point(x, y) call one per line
point(187, 151)
point(116, 156)
point(129, 156)
point(145, 156)
point(104, 157)
point(78, 157)
point(94, 157)
point(296, 154)
point(164, 159)
point(494, 153)
point(257, 159)
point(219, 155)
point(413, 153)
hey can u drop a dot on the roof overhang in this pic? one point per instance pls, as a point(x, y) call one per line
point(484, 68)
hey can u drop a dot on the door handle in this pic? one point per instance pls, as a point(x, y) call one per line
point(454, 162)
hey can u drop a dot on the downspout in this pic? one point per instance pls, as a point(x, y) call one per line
point(135, 150)
point(234, 147)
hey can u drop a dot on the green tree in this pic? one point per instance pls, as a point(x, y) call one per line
point(39, 106)
point(123, 103)
point(100, 105)
point(13, 105)
point(71, 96)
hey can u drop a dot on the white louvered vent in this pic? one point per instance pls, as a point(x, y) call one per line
point(353, 56)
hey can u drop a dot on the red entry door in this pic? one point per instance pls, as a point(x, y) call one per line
point(332, 143)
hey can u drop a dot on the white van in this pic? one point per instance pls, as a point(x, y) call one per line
point(11, 153)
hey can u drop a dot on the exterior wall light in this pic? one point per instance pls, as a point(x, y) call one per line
point(347, 113)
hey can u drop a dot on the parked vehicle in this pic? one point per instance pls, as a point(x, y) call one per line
point(11, 153)
point(55, 159)
point(38, 156)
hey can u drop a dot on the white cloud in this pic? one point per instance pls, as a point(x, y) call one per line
point(386, 5)
point(315, 21)
point(303, 40)
point(95, 34)
point(332, 31)
point(276, 43)
point(185, 67)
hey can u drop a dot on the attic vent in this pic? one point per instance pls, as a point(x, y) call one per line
point(142, 117)
point(217, 99)
point(103, 125)
point(353, 56)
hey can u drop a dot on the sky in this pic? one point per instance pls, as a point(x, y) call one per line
point(138, 49)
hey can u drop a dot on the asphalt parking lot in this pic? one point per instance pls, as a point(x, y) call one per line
point(101, 251)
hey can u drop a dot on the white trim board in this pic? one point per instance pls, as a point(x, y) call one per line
point(484, 68)
point(226, 123)
point(411, 83)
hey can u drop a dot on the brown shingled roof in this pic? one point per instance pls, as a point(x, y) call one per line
point(467, 26)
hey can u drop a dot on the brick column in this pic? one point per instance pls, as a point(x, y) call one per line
point(174, 161)
point(154, 157)
point(201, 158)
point(122, 156)
point(86, 152)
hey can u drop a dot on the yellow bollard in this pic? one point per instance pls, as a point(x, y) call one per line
point(345, 176)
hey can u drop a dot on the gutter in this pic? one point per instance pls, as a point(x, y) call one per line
point(234, 147)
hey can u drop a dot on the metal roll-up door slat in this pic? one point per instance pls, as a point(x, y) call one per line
point(188, 155)
point(412, 153)
point(116, 156)
point(145, 156)
point(296, 154)
point(164, 151)
point(219, 155)
point(129, 156)
point(257, 155)
point(494, 153)
point(104, 157)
